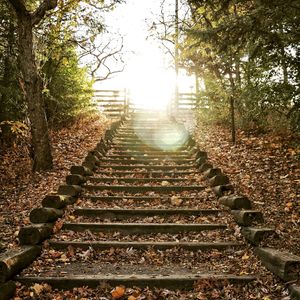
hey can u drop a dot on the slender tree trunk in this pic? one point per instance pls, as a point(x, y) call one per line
point(232, 116)
point(232, 107)
point(32, 87)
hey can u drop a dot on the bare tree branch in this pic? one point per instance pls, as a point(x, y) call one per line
point(40, 12)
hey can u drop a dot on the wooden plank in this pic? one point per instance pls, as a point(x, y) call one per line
point(161, 281)
point(142, 228)
point(140, 189)
point(192, 246)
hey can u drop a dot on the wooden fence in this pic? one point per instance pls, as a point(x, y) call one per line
point(114, 103)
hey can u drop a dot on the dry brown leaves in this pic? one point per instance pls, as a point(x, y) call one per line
point(266, 169)
point(21, 190)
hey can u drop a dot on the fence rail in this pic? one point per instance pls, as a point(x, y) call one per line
point(115, 103)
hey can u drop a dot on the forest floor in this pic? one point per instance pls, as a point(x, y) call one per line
point(266, 168)
point(263, 167)
point(21, 190)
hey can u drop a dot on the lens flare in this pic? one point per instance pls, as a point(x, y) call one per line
point(159, 132)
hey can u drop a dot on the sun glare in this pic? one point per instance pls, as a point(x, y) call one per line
point(151, 85)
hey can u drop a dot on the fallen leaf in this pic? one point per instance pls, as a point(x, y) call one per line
point(118, 292)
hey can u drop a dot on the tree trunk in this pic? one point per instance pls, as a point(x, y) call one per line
point(32, 87)
point(232, 107)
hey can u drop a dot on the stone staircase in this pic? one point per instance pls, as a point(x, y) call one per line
point(146, 195)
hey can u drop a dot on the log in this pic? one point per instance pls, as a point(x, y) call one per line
point(96, 153)
point(218, 180)
point(201, 154)
point(102, 151)
point(236, 202)
point(12, 261)
point(200, 161)
point(191, 142)
point(256, 235)
point(294, 292)
point(91, 159)
point(81, 170)
point(7, 290)
point(69, 190)
point(102, 145)
point(193, 150)
point(35, 234)
point(282, 263)
point(209, 173)
point(220, 190)
point(45, 215)
point(56, 201)
point(247, 217)
point(75, 179)
point(88, 165)
point(108, 135)
point(205, 167)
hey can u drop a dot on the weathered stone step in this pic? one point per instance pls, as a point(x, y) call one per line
point(192, 246)
point(148, 174)
point(139, 144)
point(134, 198)
point(144, 161)
point(136, 140)
point(142, 189)
point(123, 213)
point(152, 167)
point(137, 180)
point(128, 155)
point(174, 281)
point(162, 152)
point(138, 228)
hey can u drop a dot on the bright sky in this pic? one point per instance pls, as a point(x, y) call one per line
point(147, 68)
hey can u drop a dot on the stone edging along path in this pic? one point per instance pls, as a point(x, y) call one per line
point(283, 264)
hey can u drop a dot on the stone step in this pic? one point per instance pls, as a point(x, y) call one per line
point(137, 180)
point(143, 189)
point(152, 167)
point(138, 228)
point(148, 174)
point(149, 152)
point(144, 161)
point(134, 198)
point(138, 155)
point(127, 213)
point(139, 144)
point(192, 246)
point(174, 281)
